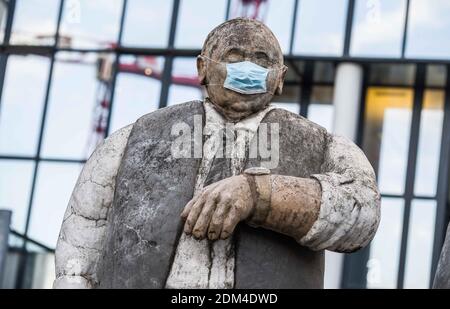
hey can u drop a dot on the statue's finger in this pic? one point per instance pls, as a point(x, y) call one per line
point(188, 207)
point(230, 223)
point(216, 224)
point(193, 215)
point(203, 220)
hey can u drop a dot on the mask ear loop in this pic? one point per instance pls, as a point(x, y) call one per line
point(206, 57)
point(218, 62)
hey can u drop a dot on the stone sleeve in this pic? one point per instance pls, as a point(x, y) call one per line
point(350, 203)
point(84, 225)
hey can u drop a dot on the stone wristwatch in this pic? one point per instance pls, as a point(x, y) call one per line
point(258, 179)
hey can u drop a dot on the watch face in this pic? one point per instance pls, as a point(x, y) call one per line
point(257, 171)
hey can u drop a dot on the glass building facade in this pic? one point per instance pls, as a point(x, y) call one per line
point(74, 71)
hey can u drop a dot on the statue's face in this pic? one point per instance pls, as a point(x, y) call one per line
point(243, 40)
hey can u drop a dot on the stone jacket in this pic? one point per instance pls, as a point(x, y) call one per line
point(442, 278)
point(122, 223)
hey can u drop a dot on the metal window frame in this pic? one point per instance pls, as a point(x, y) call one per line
point(355, 265)
point(354, 270)
point(23, 257)
point(419, 88)
point(11, 7)
point(442, 194)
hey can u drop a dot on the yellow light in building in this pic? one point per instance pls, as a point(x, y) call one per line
point(148, 71)
point(380, 98)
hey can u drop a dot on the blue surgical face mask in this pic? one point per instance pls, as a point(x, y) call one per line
point(245, 77)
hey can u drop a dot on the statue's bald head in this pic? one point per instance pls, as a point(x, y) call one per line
point(242, 34)
point(239, 40)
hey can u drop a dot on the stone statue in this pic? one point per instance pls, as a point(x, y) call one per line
point(150, 211)
point(442, 277)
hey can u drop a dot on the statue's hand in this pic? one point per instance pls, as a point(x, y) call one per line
point(216, 211)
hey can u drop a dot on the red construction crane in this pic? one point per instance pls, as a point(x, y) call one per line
point(255, 9)
point(143, 65)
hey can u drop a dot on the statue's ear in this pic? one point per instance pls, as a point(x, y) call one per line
point(280, 81)
point(201, 69)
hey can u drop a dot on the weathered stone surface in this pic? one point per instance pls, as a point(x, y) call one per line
point(237, 40)
point(151, 190)
point(82, 235)
point(269, 260)
point(294, 205)
point(202, 263)
point(140, 245)
point(72, 282)
point(442, 278)
point(301, 144)
point(350, 208)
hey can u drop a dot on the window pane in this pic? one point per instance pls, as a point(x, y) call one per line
point(3, 16)
point(11, 265)
point(420, 244)
point(320, 27)
point(181, 94)
point(428, 29)
point(22, 102)
point(321, 109)
point(289, 99)
point(90, 24)
point(386, 135)
point(295, 72)
point(378, 28)
point(429, 143)
point(392, 74)
point(35, 22)
point(42, 269)
point(322, 115)
point(196, 19)
point(55, 183)
point(276, 15)
point(385, 247)
point(436, 75)
point(15, 186)
point(324, 72)
point(185, 85)
point(137, 89)
point(147, 23)
point(73, 98)
point(184, 72)
point(15, 242)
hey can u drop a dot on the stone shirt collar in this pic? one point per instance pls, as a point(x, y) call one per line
point(251, 123)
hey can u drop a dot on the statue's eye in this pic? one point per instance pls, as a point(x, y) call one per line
point(263, 62)
point(262, 59)
point(234, 55)
point(234, 58)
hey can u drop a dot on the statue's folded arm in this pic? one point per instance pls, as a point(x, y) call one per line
point(337, 209)
point(350, 205)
